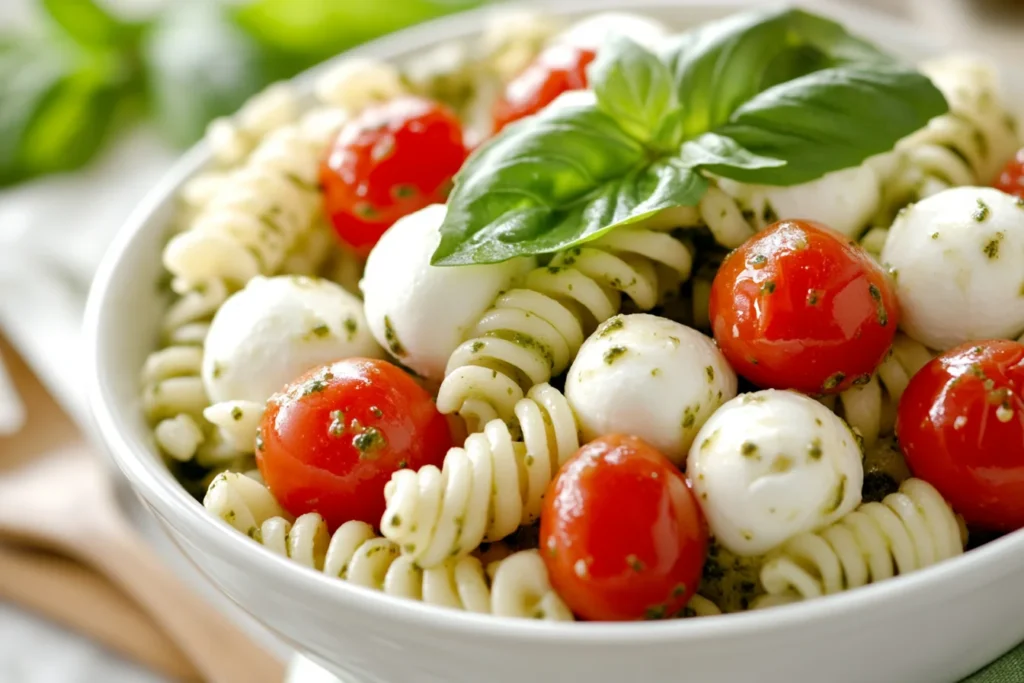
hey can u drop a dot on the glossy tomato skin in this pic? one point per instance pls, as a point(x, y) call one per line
point(391, 160)
point(622, 534)
point(1011, 180)
point(961, 427)
point(329, 441)
point(800, 306)
point(558, 69)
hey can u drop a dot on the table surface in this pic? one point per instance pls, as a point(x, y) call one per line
point(34, 651)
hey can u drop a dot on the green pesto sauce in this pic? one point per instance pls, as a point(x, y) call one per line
point(982, 211)
point(368, 441)
point(351, 327)
point(613, 354)
point(392, 339)
point(613, 324)
point(834, 381)
point(991, 248)
point(837, 496)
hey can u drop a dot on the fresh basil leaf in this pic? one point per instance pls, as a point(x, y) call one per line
point(71, 127)
point(829, 120)
point(85, 21)
point(635, 88)
point(200, 65)
point(721, 65)
point(510, 189)
point(715, 153)
point(635, 197)
point(28, 78)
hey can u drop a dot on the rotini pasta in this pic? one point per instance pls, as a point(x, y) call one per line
point(231, 139)
point(355, 83)
point(486, 489)
point(254, 219)
point(967, 146)
point(237, 422)
point(870, 408)
point(516, 586)
point(532, 333)
point(173, 396)
point(907, 531)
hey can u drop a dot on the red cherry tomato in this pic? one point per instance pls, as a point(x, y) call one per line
point(621, 533)
point(961, 427)
point(391, 160)
point(1011, 180)
point(799, 306)
point(330, 440)
point(558, 69)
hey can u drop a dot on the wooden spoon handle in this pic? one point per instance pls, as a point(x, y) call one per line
point(78, 598)
point(218, 649)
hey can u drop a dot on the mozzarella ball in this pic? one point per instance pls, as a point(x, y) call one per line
point(650, 377)
point(773, 464)
point(421, 312)
point(594, 31)
point(844, 200)
point(957, 259)
point(277, 328)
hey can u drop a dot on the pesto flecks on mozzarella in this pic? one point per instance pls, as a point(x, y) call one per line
point(420, 312)
point(773, 464)
point(844, 200)
point(957, 259)
point(650, 377)
point(277, 328)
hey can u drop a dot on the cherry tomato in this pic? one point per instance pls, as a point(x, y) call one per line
point(330, 440)
point(1011, 180)
point(621, 533)
point(799, 306)
point(393, 159)
point(558, 69)
point(961, 427)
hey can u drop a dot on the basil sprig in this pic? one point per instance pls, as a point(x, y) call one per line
point(777, 98)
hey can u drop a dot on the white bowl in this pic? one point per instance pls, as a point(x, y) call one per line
point(936, 625)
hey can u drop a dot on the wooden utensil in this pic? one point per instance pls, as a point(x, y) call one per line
point(56, 494)
point(72, 595)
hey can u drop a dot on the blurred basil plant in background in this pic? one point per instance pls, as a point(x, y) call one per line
point(67, 84)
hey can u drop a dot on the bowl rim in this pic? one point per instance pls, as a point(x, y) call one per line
point(144, 468)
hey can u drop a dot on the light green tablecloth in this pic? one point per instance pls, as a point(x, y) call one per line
point(1007, 669)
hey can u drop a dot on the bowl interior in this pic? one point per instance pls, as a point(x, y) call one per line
point(123, 317)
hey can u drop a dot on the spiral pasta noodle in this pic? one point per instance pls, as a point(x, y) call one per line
point(257, 215)
point(907, 531)
point(516, 586)
point(870, 407)
point(173, 395)
point(966, 146)
point(231, 139)
point(485, 490)
point(532, 333)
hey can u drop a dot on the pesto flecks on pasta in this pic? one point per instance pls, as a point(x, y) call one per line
point(495, 330)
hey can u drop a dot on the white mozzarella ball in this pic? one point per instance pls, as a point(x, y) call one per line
point(957, 259)
point(773, 464)
point(650, 377)
point(595, 31)
point(277, 328)
point(844, 200)
point(422, 312)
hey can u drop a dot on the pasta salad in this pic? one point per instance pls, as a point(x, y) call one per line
point(605, 322)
